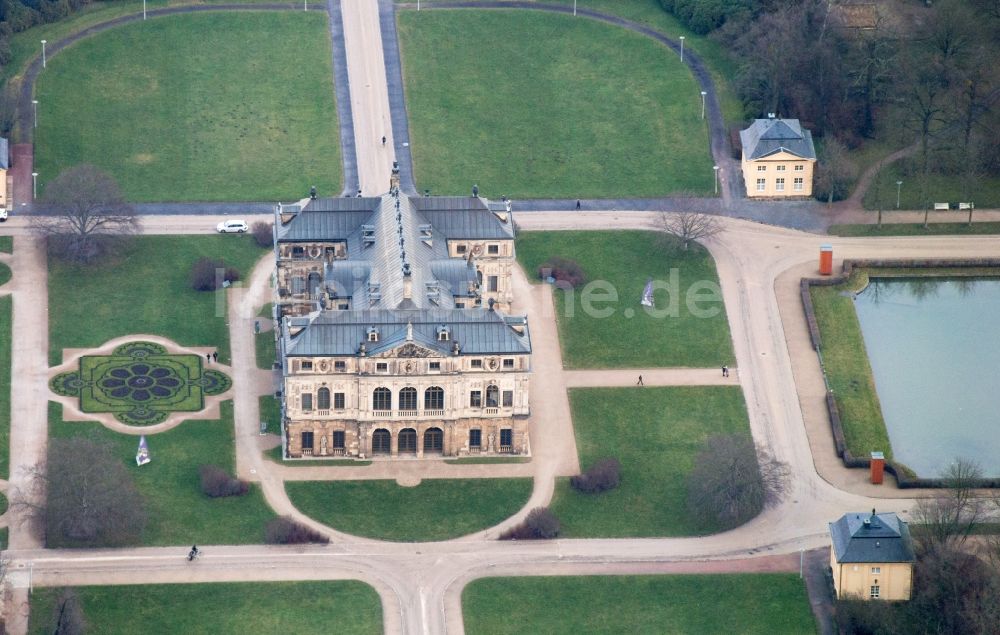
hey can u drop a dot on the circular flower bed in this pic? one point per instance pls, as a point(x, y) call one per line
point(141, 382)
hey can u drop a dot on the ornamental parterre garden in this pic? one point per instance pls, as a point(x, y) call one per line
point(140, 383)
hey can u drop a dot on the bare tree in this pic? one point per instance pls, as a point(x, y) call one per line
point(85, 497)
point(83, 214)
point(947, 520)
point(67, 614)
point(835, 171)
point(688, 226)
point(733, 480)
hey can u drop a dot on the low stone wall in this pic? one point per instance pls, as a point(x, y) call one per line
point(905, 478)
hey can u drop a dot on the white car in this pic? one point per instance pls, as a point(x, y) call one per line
point(232, 227)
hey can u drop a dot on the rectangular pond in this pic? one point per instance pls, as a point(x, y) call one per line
point(934, 348)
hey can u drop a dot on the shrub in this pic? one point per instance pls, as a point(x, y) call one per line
point(217, 483)
point(285, 531)
point(563, 270)
point(540, 524)
point(204, 274)
point(262, 233)
point(601, 477)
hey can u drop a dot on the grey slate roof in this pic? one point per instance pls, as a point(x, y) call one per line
point(883, 538)
point(4, 154)
point(338, 333)
point(462, 217)
point(765, 137)
point(454, 275)
point(329, 219)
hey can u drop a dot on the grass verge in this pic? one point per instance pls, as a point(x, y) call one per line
point(620, 333)
point(274, 454)
point(266, 351)
point(7, 244)
point(485, 460)
point(549, 106)
point(144, 290)
point(5, 274)
point(847, 369)
point(655, 433)
point(270, 411)
point(6, 321)
point(937, 188)
point(915, 229)
point(232, 607)
point(179, 513)
point(437, 509)
point(166, 127)
point(750, 604)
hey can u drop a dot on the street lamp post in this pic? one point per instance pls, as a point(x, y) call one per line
point(574, 7)
point(34, 111)
point(703, 93)
point(43, 53)
point(34, 185)
point(682, 48)
point(716, 169)
point(899, 184)
point(143, 9)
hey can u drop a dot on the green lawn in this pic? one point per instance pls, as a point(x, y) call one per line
point(6, 307)
point(940, 188)
point(225, 609)
point(625, 259)
point(7, 244)
point(655, 433)
point(179, 514)
point(915, 229)
point(146, 290)
point(532, 104)
point(749, 604)
point(266, 351)
point(198, 107)
point(270, 411)
point(485, 460)
point(5, 274)
point(847, 369)
point(437, 509)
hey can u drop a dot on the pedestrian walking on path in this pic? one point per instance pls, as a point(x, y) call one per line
point(208, 357)
point(383, 139)
point(578, 203)
point(215, 356)
point(725, 371)
point(639, 383)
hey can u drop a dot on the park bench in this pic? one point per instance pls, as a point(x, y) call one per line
point(966, 206)
point(941, 207)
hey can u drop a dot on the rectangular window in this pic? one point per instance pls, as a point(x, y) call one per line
point(475, 438)
point(874, 593)
point(435, 365)
point(307, 365)
point(340, 366)
point(494, 283)
point(797, 184)
point(800, 167)
point(762, 168)
point(460, 249)
point(307, 440)
point(493, 249)
point(508, 399)
point(779, 168)
point(506, 437)
point(307, 401)
point(338, 439)
point(476, 399)
point(779, 184)
point(508, 363)
point(338, 401)
point(477, 363)
point(460, 305)
point(877, 570)
point(381, 367)
point(343, 307)
point(760, 184)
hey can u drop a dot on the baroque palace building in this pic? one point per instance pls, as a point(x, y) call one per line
point(393, 336)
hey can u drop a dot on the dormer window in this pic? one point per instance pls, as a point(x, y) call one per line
point(493, 249)
point(372, 334)
point(460, 249)
point(443, 333)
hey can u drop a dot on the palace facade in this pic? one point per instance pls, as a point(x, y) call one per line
point(393, 334)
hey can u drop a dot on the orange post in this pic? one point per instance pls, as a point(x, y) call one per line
point(877, 467)
point(825, 259)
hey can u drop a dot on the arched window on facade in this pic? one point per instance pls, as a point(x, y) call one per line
point(382, 399)
point(408, 399)
point(492, 397)
point(323, 399)
point(434, 398)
